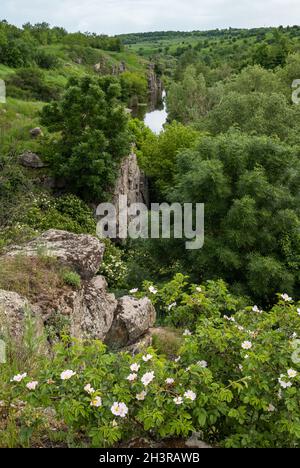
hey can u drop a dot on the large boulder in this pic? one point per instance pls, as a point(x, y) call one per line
point(32, 160)
point(14, 311)
point(36, 132)
point(97, 310)
point(83, 253)
point(133, 318)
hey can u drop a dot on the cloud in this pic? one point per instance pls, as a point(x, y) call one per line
point(120, 16)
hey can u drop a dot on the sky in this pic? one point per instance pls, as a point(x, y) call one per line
point(124, 16)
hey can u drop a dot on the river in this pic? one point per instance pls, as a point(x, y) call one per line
point(156, 119)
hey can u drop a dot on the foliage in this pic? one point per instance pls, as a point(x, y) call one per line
point(29, 84)
point(67, 213)
point(158, 153)
point(113, 266)
point(249, 187)
point(92, 137)
point(236, 379)
point(72, 278)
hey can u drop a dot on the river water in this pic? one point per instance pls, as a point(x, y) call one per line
point(156, 119)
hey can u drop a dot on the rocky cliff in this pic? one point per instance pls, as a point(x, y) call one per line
point(131, 182)
point(155, 87)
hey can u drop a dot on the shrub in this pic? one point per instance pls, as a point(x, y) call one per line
point(29, 83)
point(72, 279)
point(113, 267)
point(236, 380)
point(67, 213)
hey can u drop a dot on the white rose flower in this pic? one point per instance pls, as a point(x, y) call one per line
point(147, 358)
point(187, 333)
point(256, 309)
point(19, 377)
point(66, 375)
point(169, 381)
point(190, 395)
point(153, 290)
point(131, 377)
point(89, 389)
point(286, 297)
point(119, 409)
point(135, 367)
point(247, 345)
point(96, 402)
point(198, 289)
point(141, 396)
point(202, 364)
point(147, 378)
point(178, 400)
point(32, 385)
point(292, 373)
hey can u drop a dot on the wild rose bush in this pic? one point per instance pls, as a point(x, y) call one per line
point(254, 354)
point(180, 303)
point(236, 378)
point(107, 397)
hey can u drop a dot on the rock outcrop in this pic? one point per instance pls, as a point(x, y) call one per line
point(92, 312)
point(131, 182)
point(32, 160)
point(155, 87)
point(133, 318)
point(13, 312)
point(82, 253)
point(36, 132)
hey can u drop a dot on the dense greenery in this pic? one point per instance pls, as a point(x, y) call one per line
point(232, 143)
point(93, 136)
point(227, 381)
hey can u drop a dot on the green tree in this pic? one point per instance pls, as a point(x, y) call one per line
point(158, 152)
point(250, 189)
point(187, 100)
point(91, 136)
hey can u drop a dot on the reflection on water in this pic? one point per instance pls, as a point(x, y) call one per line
point(156, 119)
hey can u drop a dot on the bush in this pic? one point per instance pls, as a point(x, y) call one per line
point(67, 213)
point(46, 60)
point(29, 84)
point(72, 279)
point(236, 380)
point(113, 267)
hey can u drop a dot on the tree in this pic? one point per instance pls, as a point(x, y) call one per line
point(187, 100)
point(158, 152)
point(93, 136)
point(250, 189)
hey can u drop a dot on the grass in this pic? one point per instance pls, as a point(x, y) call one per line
point(37, 278)
point(167, 340)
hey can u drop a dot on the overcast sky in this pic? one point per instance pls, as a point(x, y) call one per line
point(122, 16)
